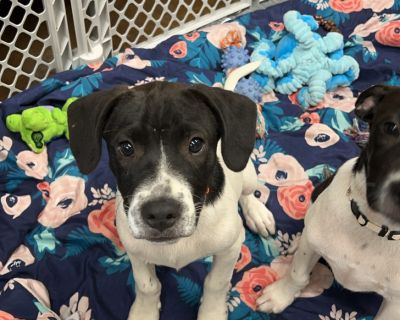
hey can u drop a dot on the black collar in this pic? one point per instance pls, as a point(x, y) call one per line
point(382, 231)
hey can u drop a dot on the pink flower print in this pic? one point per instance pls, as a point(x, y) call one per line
point(20, 258)
point(276, 26)
point(178, 50)
point(282, 170)
point(65, 198)
point(15, 205)
point(226, 34)
point(346, 6)
point(320, 135)
point(390, 34)
point(34, 164)
point(5, 146)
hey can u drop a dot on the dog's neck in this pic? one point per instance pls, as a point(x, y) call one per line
point(358, 192)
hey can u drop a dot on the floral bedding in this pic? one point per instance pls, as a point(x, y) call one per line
point(60, 255)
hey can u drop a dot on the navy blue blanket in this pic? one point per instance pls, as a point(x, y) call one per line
point(60, 255)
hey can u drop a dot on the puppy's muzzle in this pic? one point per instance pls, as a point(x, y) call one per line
point(161, 213)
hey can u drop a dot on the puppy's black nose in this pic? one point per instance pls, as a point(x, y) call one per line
point(161, 213)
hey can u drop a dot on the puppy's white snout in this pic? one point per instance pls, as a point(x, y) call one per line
point(162, 213)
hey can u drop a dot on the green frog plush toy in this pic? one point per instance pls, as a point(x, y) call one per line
point(39, 125)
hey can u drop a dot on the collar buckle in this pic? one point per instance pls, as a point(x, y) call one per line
point(382, 230)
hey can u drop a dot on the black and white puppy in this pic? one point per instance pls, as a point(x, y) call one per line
point(180, 154)
point(354, 223)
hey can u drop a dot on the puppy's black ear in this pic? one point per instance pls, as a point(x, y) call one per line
point(237, 117)
point(87, 117)
point(368, 100)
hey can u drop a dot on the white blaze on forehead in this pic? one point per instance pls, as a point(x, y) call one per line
point(166, 183)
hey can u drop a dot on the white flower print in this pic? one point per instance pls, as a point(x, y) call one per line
point(287, 244)
point(338, 314)
point(147, 80)
point(101, 195)
point(78, 309)
point(259, 154)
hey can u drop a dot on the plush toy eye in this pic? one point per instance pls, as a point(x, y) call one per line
point(126, 149)
point(196, 145)
point(391, 128)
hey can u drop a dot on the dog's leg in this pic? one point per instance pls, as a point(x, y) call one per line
point(258, 218)
point(217, 283)
point(147, 302)
point(390, 309)
point(281, 294)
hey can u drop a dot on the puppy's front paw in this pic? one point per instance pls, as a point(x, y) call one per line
point(141, 310)
point(277, 296)
point(258, 218)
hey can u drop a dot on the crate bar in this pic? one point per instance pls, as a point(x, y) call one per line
point(203, 21)
point(59, 33)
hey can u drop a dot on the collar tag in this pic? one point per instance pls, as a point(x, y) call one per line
point(394, 235)
point(362, 220)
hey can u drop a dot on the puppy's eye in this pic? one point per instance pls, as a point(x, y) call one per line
point(391, 128)
point(126, 148)
point(196, 145)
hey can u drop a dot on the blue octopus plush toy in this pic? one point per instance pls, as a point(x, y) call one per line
point(302, 61)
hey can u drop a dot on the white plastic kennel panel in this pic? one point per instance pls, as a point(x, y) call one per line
point(152, 21)
point(41, 37)
point(34, 42)
point(113, 25)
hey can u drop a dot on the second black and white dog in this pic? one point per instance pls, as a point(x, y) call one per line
point(354, 223)
point(180, 154)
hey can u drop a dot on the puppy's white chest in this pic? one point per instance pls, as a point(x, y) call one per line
point(355, 264)
point(360, 259)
